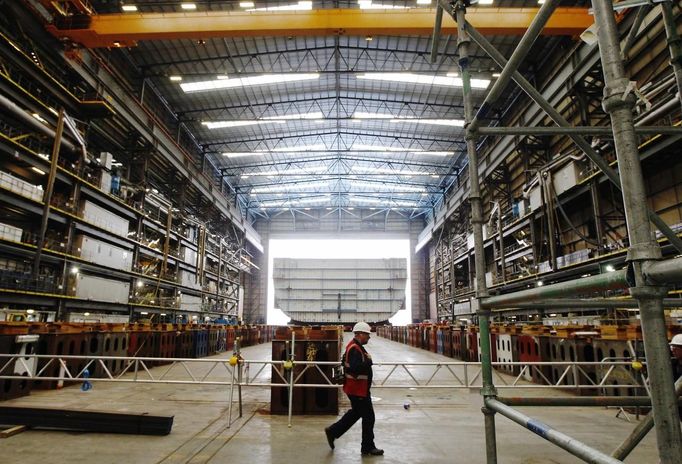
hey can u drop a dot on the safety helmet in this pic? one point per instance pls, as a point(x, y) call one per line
point(677, 340)
point(362, 327)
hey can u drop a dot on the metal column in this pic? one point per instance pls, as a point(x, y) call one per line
point(47, 197)
point(477, 221)
point(619, 103)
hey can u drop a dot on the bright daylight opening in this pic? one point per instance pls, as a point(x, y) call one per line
point(334, 249)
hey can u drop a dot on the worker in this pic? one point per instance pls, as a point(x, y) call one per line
point(357, 364)
point(676, 351)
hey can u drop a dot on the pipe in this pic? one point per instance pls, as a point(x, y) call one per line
point(435, 41)
point(664, 272)
point(673, 44)
point(519, 54)
point(634, 30)
point(607, 281)
point(579, 130)
point(34, 123)
point(562, 440)
point(618, 102)
point(622, 401)
point(47, 196)
point(591, 303)
point(559, 120)
point(640, 431)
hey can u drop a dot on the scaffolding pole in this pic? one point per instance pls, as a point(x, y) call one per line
point(618, 102)
point(674, 44)
point(488, 390)
point(597, 283)
point(640, 431)
point(560, 439)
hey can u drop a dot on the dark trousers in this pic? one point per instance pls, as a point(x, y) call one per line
point(361, 408)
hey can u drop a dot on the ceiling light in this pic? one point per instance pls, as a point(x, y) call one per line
point(39, 171)
point(74, 270)
point(222, 77)
point(223, 124)
point(247, 4)
point(424, 79)
point(437, 122)
point(368, 5)
point(423, 2)
point(610, 268)
point(540, 283)
point(128, 8)
point(369, 38)
point(265, 79)
point(316, 115)
point(241, 154)
point(284, 188)
point(290, 171)
point(300, 6)
point(38, 117)
point(175, 78)
point(30, 311)
point(485, 2)
point(496, 74)
point(188, 6)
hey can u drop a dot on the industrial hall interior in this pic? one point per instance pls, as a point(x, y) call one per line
point(341, 231)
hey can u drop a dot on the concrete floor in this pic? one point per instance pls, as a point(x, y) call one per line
point(440, 426)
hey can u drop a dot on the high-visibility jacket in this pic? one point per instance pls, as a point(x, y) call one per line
point(358, 374)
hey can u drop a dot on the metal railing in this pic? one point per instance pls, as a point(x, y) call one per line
point(573, 376)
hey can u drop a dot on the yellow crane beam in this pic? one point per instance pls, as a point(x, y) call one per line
point(124, 30)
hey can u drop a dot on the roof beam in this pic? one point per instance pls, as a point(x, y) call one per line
point(124, 30)
point(457, 139)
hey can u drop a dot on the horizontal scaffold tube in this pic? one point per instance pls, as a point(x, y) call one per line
point(664, 272)
point(607, 281)
point(573, 446)
point(591, 303)
point(578, 401)
point(584, 130)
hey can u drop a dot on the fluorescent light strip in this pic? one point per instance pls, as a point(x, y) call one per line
point(266, 79)
point(129, 8)
point(411, 78)
point(289, 172)
point(284, 188)
point(437, 122)
point(389, 171)
point(300, 6)
point(316, 199)
point(224, 124)
point(368, 5)
point(188, 6)
point(247, 4)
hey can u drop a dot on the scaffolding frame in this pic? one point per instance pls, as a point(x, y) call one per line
point(645, 276)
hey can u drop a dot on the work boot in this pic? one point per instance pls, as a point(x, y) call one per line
point(330, 437)
point(374, 452)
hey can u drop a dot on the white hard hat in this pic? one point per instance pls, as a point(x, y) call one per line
point(362, 327)
point(677, 340)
